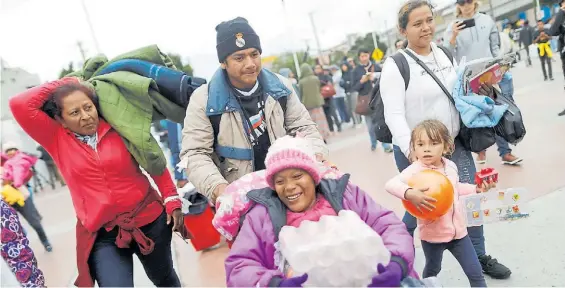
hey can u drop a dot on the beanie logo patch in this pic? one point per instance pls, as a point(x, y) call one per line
point(239, 41)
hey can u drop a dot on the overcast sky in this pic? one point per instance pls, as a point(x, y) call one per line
point(41, 35)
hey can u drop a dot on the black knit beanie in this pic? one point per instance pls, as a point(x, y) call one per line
point(235, 35)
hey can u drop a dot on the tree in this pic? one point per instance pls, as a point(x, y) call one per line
point(66, 71)
point(367, 43)
point(179, 64)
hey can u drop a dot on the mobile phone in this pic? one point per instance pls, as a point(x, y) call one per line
point(468, 23)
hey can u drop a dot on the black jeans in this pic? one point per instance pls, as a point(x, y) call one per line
point(343, 110)
point(544, 59)
point(113, 267)
point(30, 213)
point(462, 249)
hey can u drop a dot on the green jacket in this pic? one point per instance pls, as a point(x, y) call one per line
point(130, 103)
point(309, 85)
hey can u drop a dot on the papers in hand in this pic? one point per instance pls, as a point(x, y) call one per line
point(476, 68)
point(491, 75)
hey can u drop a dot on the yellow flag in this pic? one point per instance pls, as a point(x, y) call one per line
point(377, 54)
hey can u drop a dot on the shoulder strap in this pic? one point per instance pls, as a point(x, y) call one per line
point(215, 121)
point(282, 102)
point(403, 67)
point(404, 70)
point(425, 67)
point(447, 52)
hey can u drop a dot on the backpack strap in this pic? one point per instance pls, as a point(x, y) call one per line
point(404, 70)
point(282, 101)
point(403, 67)
point(447, 52)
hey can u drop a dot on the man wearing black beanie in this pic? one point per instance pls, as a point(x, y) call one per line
point(231, 122)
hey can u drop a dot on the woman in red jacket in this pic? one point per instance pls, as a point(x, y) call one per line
point(119, 213)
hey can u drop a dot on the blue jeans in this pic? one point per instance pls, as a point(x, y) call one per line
point(462, 250)
point(113, 267)
point(175, 143)
point(373, 135)
point(507, 88)
point(342, 109)
point(467, 170)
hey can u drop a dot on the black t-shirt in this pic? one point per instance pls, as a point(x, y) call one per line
point(253, 107)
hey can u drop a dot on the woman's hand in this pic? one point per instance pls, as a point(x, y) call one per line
point(178, 221)
point(419, 199)
point(455, 29)
point(486, 90)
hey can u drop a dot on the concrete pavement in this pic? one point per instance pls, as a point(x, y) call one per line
point(536, 259)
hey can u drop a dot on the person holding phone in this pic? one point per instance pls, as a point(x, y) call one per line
point(542, 39)
point(474, 35)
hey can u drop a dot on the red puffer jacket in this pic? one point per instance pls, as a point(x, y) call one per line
point(103, 183)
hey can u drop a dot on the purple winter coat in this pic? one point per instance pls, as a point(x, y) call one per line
point(251, 261)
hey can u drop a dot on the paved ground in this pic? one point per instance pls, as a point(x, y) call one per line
point(536, 259)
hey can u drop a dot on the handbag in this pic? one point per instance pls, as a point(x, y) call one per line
point(511, 126)
point(363, 106)
point(473, 139)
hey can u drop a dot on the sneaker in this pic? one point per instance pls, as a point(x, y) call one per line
point(388, 150)
point(48, 246)
point(510, 159)
point(482, 157)
point(494, 269)
point(562, 113)
point(373, 148)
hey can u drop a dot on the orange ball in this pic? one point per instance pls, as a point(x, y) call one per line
point(439, 188)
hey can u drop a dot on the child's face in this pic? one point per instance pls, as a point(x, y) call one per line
point(10, 153)
point(296, 189)
point(427, 151)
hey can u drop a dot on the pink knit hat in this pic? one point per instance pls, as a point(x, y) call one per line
point(291, 153)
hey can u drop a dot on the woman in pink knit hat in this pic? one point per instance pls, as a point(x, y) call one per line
point(296, 193)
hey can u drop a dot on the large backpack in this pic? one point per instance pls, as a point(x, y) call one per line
point(378, 117)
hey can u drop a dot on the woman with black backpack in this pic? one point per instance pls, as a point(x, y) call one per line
point(415, 90)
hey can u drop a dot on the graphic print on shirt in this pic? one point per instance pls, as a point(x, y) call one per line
point(257, 123)
point(436, 70)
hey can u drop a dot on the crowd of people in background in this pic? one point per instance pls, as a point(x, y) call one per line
point(330, 93)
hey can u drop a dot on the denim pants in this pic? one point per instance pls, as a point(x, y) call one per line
point(467, 170)
point(372, 133)
point(331, 114)
point(341, 107)
point(113, 267)
point(462, 250)
point(507, 88)
point(352, 103)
